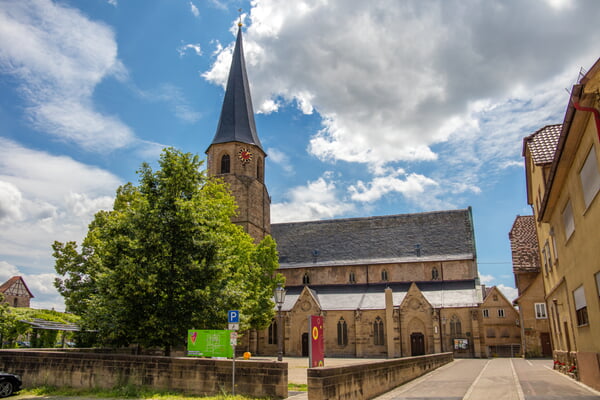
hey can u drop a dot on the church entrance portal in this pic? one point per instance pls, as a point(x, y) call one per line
point(305, 344)
point(417, 344)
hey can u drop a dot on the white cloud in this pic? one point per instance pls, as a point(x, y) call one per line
point(319, 199)
point(195, 47)
point(59, 56)
point(411, 186)
point(510, 293)
point(59, 197)
point(486, 279)
point(7, 271)
point(194, 10)
point(10, 202)
point(419, 83)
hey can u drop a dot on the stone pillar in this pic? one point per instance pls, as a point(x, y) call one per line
point(437, 332)
point(357, 334)
point(389, 322)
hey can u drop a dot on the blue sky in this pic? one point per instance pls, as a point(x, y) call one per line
point(364, 108)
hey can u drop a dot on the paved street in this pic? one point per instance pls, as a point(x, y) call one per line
point(496, 379)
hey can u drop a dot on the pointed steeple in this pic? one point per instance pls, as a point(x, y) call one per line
point(236, 123)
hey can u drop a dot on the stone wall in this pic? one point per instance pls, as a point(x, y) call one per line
point(190, 375)
point(368, 380)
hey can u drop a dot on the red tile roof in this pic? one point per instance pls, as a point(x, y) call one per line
point(542, 144)
point(524, 245)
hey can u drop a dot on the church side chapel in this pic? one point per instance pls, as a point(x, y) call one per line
point(387, 286)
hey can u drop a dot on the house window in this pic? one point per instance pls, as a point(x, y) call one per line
point(455, 326)
point(434, 274)
point(384, 275)
point(501, 312)
point(378, 332)
point(580, 306)
point(342, 332)
point(495, 297)
point(505, 333)
point(540, 311)
point(306, 279)
point(490, 332)
point(568, 222)
point(590, 178)
point(352, 278)
point(486, 313)
point(225, 164)
point(273, 332)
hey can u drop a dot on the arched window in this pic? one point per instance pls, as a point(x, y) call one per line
point(273, 332)
point(384, 275)
point(342, 332)
point(455, 326)
point(378, 336)
point(306, 279)
point(352, 277)
point(225, 164)
point(260, 171)
point(434, 274)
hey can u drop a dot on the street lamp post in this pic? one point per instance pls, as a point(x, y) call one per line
point(279, 299)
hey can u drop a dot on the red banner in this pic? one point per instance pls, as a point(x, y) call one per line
point(317, 341)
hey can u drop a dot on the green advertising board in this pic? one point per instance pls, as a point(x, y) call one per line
point(209, 343)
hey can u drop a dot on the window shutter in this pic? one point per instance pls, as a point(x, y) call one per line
point(579, 296)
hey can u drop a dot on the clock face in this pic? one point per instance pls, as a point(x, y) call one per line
point(245, 156)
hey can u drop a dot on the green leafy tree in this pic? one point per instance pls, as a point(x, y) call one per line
point(166, 259)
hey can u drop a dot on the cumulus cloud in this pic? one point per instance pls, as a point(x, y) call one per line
point(411, 186)
point(510, 293)
point(281, 159)
point(58, 68)
point(444, 91)
point(10, 202)
point(316, 200)
point(58, 198)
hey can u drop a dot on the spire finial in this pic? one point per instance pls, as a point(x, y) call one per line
point(240, 22)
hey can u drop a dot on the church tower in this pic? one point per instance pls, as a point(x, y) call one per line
point(236, 154)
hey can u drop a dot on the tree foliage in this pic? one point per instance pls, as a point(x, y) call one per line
point(166, 259)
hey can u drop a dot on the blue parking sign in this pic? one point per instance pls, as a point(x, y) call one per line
point(233, 317)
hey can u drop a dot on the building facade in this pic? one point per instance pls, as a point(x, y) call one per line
point(535, 329)
point(16, 293)
point(563, 193)
point(387, 286)
point(500, 325)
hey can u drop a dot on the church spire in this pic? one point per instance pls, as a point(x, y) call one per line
point(236, 123)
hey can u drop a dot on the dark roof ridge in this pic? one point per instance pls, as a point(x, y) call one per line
point(373, 217)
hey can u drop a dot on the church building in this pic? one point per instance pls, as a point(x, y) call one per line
point(387, 286)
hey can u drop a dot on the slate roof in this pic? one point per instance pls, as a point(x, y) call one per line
point(236, 123)
point(372, 297)
point(543, 143)
point(524, 245)
point(430, 236)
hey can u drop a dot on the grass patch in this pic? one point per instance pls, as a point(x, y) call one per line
point(126, 392)
point(298, 387)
